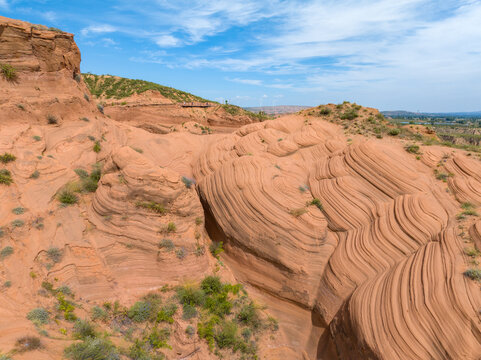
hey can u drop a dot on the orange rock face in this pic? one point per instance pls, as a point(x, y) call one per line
point(356, 246)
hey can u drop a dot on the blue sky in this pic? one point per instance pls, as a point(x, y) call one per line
point(390, 54)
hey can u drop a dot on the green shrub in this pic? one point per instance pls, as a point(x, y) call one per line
point(166, 313)
point(158, 338)
point(190, 295)
point(5, 357)
point(216, 248)
point(67, 307)
point(413, 149)
point(167, 244)
point(54, 254)
point(52, 119)
point(473, 274)
point(83, 329)
point(5, 252)
point(85, 119)
point(8, 72)
point(187, 182)
point(394, 132)
point(151, 205)
point(140, 151)
point(7, 284)
point(140, 311)
point(35, 175)
point(92, 349)
point(5, 177)
point(316, 202)
point(212, 285)
point(100, 108)
point(350, 114)
point(18, 223)
point(324, 111)
point(99, 313)
point(82, 173)
point(18, 210)
point(226, 335)
point(86, 97)
point(171, 227)
point(28, 343)
point(7, 157)
point(39, 316)
point(180, 253)
point(97, 147)
point(64, 289)
point(67, 197)
point(467, 206)
point(189, 330)
point(198, 221)
point(249, 316)
point(188, 312)
point(473, 252)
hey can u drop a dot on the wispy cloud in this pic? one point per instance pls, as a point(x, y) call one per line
point(4, 4)
point(98, 29)
point(246, 81)
point(167, 41)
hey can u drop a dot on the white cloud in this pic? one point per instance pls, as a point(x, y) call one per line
point(167, 41)
point(3, 4)
point(246, 81)
point(98, 29)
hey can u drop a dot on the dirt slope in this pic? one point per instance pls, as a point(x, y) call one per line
point(357, 246)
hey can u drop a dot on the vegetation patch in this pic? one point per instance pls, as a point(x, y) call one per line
point(473, 274)
point(67, 197)
point(28, 343)
point(8, 72)
point(153, 206)
point(5, 177)
point(39, 316)
point(52, 119)
point(7, 157)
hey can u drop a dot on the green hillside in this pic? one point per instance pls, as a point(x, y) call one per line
point(113, 87)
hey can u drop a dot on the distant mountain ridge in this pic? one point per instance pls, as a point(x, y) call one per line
point(402, 113)
point(279, 109)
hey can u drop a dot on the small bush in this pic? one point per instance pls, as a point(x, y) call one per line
point(140, 151)
point(100, 108)
point(28, 343)
point(52, 119)
point(83, 329)
point(316, 202)
point(64, 289)
point(85, 119)
point(413, 149)
point(171, 227)
point(54, 254)
point(189, 330)
point(92, 349)
point(18, 210)
point(5, 252)
point(324, 111)
point(473, 274)
point(82, 173)
point(394, 132)
point(226, 335)
point(189, 312)
point(190, 295)
point(99, 313)
point(7, 284)
point(212, 285)
point(167, 244)
point(198, 221)
point(180, 253)
point(35, 175)
point(7, 157)
point(140, 311)
point(36, 138)
point(67, 197)
point(188, 182)
point(39, 316)
point(67, 307)
point(249, 316)
point(5, 177)
point(216, 248)
point(9, 72)
point(151, 205)
point(350, 114)
point(97, 147)
point(467, 206)
point(18, 223)
point(471, 252)
point(158, 338)
point(86, 97)
point(166, 313)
